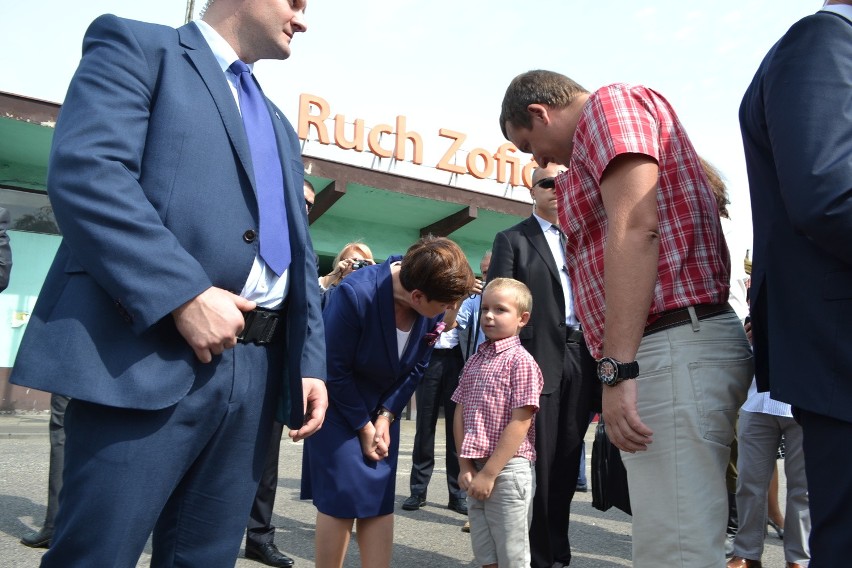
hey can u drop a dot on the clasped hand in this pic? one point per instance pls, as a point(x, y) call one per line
point(477, 484)
point(375, 439)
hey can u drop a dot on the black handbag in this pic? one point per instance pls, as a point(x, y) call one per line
point(609, 478)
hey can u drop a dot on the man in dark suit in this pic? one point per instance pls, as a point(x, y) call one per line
point(796, 120)
point(532, 252)
point(169, 317)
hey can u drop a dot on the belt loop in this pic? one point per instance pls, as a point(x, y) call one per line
point(694, 319)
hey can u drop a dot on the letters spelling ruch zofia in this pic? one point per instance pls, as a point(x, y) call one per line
point(480, 163)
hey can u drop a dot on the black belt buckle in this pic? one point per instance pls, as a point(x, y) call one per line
point(573, 335)
point(262, 326)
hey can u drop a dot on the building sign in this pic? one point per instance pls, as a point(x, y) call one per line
point(502, 165)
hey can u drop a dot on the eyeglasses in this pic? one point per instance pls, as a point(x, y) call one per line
point(546, 183)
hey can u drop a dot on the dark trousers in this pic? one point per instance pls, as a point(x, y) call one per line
point(57, 457)
point(187, 473)
point(259, 530)
point(560, 425)
point(827, 443)
point(439, 382)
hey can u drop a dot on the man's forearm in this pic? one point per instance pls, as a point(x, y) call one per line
point(631, 272)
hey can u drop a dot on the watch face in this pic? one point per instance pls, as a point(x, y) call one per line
point(607, 371)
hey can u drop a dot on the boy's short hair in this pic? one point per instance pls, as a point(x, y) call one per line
point(523, 296)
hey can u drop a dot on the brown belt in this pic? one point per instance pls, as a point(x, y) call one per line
point(680, 316)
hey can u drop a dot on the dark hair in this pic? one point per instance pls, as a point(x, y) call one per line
point(717, 184)
point(536, 87)
point(437, 267)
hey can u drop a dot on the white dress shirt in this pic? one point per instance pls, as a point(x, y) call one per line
point(554, 240)
point(263, 285)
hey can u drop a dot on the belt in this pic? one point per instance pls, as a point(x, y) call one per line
point(574, 335)
point(262, 326)
point(680, 316)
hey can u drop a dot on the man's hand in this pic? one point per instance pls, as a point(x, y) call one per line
point(315, 403)
point(623, 426)
point(211, 321)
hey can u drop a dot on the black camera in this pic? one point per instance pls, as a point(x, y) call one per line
point(359, 264)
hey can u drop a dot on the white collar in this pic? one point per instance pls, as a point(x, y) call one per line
point(221, 49)
point(844, 10)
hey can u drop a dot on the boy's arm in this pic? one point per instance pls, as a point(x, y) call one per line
point(507, 446)
point(466, 467)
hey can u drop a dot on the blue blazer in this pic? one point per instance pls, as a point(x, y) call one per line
point(796, 121)
point(364, 370)
point(155, 201)
point(365, 373)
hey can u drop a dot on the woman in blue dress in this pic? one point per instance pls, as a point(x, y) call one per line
point(381, 325)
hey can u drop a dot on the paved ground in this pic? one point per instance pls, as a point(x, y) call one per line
point(430, 537)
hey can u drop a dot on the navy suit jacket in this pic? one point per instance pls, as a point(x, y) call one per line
point(364, 370)
point(521, 252)
point(796, 121)
point(365, 373)
point(151, 181)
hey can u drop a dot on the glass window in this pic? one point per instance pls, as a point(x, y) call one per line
point(30, 211)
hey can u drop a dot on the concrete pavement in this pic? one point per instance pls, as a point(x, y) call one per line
point(430, 537)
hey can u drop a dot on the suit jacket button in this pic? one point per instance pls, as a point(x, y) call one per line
point(250, 236)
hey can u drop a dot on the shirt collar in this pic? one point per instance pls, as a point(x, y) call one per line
point(503, 344)
point(844, 10)
point(221, 49)
point(544, 223)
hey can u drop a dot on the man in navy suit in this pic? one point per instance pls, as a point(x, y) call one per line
point(162, 317)
point(533, 252)
point(796, 120)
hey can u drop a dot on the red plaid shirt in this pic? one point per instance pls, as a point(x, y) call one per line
point(500, 377)
point(694, 263)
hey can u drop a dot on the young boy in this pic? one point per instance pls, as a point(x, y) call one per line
point(496, 399)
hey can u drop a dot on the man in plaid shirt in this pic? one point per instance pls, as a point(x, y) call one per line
point(650, 270)
point(496, 399)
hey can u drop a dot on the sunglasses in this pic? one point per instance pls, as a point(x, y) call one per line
point(546, 183)
point(309, 205)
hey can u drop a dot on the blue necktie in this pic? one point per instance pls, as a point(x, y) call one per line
point(274, 233)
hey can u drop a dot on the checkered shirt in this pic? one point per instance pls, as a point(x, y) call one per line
point(498, 378)
point(694, 264)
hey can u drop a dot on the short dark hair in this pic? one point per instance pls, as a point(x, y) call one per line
point(437, 267)
point(536, 87)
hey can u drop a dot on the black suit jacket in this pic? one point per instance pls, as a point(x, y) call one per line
point(796, 120)
point(521, 252)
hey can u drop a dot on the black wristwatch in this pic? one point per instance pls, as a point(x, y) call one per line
point(612, 371)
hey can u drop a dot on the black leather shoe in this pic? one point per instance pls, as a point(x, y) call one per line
point(458, 505)
point(413, 503)
point(40, 539)
point(267, 553)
